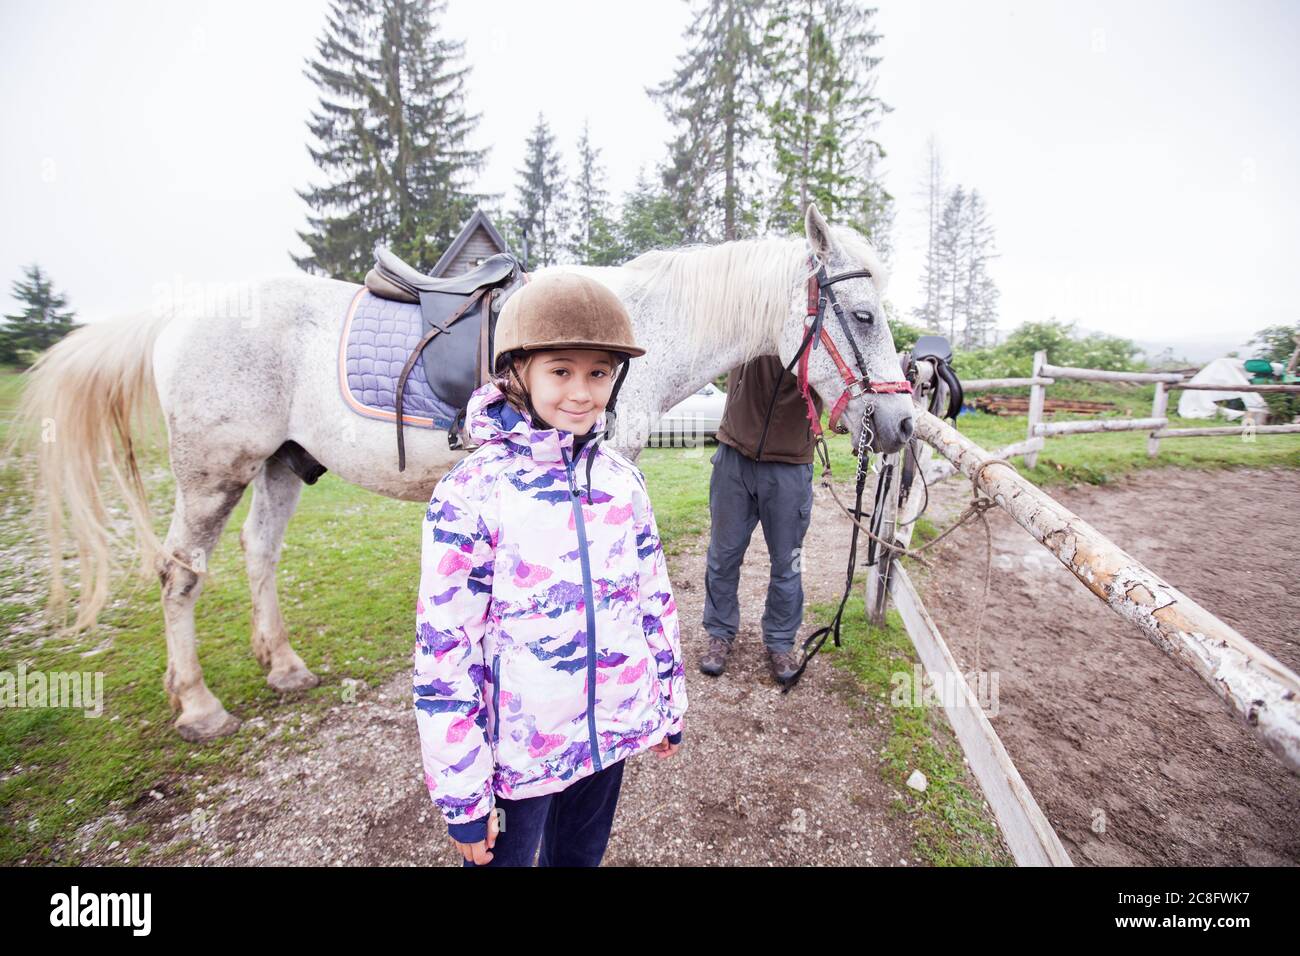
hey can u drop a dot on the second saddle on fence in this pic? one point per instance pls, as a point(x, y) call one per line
point(458, 320)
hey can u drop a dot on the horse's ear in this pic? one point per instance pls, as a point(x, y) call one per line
point(818, 233)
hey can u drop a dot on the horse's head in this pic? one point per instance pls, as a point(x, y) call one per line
point(862, 308)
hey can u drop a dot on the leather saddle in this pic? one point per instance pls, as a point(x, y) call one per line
point(458, 319)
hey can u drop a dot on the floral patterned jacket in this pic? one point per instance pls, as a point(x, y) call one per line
point(547, 643)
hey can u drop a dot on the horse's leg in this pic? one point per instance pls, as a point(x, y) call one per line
point(275, 495)
point(202, 509)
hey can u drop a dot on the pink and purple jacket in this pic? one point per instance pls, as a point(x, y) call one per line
point(547, 643)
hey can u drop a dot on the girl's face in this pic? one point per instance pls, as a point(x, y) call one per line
point(570, 387)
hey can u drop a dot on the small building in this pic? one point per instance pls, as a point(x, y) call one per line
point(478, 240)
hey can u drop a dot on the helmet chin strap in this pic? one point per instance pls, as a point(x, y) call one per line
point(538, 421)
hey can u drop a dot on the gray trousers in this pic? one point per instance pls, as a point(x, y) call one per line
point(743, 492)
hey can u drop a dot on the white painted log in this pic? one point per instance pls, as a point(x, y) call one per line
point(1101, 425)
point(1243, 430)
point(984, 384)
point(1100, 375)
point(1159, 409)
point(1259, 690)
point(1234, 387)
point(943, 468)
point(1027, 830)
point(1037, 398)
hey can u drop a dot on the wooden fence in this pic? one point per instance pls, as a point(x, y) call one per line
point(1044, 375)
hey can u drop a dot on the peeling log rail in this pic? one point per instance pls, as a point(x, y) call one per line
point(1259, 690)
point(1157, 424)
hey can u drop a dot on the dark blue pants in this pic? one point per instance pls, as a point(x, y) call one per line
point(571, 826)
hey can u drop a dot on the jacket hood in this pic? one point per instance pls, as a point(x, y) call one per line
point(490, 418)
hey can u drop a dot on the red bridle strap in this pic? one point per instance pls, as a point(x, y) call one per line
point(816, 306)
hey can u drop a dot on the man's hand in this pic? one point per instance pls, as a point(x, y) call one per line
point(480, 853)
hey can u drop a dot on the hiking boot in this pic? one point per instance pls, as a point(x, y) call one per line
point(714, 661)
point(785, 664)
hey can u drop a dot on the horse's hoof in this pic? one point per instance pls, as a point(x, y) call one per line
point(210, 726)
point(298, 678)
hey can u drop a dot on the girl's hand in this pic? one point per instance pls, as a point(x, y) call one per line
point(663, 750)
point(480, 853)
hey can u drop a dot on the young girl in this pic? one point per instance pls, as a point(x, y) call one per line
point(547, 646)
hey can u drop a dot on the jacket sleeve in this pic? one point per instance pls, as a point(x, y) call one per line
point(658, 611)
point(457, 552)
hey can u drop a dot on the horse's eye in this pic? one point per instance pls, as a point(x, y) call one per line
point(864, 315)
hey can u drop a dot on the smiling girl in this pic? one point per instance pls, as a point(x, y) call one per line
point(547, 647)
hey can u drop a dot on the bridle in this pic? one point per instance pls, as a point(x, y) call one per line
point(821, 293)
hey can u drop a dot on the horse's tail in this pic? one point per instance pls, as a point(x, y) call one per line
point(76, 414)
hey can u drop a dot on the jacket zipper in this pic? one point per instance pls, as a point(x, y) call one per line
point(585, 560)
point(496, 698)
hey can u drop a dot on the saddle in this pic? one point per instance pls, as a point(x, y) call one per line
point(458, 319)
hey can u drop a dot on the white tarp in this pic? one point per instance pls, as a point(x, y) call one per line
point(1193, 403)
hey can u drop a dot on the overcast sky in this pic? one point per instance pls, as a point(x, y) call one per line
point(1138, 159)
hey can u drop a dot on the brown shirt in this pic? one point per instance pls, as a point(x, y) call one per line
point(749, 391)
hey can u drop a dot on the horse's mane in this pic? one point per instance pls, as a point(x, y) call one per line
point(739, 292)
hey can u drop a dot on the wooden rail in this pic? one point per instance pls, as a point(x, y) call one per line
point(1045, 374)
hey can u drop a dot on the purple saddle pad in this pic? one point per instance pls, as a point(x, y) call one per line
point(378, 337)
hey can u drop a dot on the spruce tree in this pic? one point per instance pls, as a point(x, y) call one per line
point(591, 238)
point(932, 191)
point(540, 215)
point(966, 296)
point(714, 101)
point(822, 111)
point(41, 323)
point(648, 219)
point(393, 132)
point(950, 252)
point(981, 293)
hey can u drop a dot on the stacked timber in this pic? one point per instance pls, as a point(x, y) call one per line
point(1019, 405)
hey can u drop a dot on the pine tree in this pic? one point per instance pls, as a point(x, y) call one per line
point(965, 303)
point(927, 313)
point(822, 111)
point(714, 101)
point(540, 215)
point(393, 134)
point(980, 296)
point(950, 258)
point(41, 323)
point(648, 219)
point(591, 238)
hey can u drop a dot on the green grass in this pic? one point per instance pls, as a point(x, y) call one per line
point(348, 597)
point(952, 825)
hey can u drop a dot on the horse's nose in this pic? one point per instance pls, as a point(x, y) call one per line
point(905, 428)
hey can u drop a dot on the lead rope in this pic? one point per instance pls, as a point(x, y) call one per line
point(977, 508)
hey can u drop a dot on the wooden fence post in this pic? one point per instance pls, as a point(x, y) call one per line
point(1037, 395)
point(1158, 407)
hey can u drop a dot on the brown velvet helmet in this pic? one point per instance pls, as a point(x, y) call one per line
point(563, 310)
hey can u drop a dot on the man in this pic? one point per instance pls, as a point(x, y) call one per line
point(774, 489)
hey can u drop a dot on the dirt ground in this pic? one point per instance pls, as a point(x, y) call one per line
point(763, 779)
point(1133, 759)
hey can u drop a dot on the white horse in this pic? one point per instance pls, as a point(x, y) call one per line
point(232, 392)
